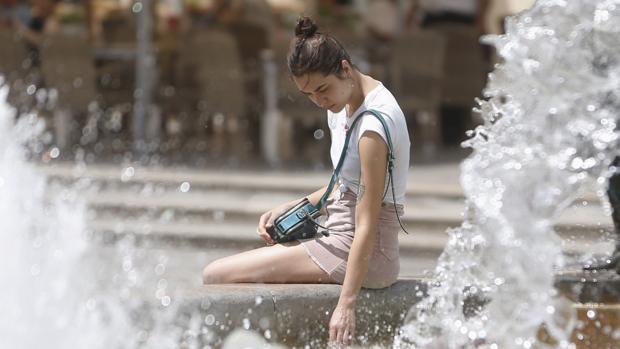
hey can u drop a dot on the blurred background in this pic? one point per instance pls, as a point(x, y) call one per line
point(205, 83)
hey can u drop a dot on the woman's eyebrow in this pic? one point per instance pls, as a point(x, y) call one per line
point(316, 89)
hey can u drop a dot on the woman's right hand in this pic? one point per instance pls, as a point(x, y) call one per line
point(266, 221)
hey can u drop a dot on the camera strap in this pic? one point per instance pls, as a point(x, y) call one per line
point(390, 162)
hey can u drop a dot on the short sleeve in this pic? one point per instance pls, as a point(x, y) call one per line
point(370, 122)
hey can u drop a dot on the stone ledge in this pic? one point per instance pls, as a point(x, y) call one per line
point(298, 314)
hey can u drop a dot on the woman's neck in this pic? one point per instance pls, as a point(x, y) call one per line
point(361, 87)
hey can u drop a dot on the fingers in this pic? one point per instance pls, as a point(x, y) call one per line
point(341, 335)
point(347, 336)
point(333, 334)
point(262, 229)
point(262, 222)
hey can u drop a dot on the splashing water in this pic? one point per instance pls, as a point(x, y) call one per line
point(38, 247)
point(60, 287)
point(549, 129)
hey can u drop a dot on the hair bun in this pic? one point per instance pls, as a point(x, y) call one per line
point(305, 27)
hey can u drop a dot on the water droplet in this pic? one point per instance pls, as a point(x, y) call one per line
point(246, 323)
point(35, 270)
point(550, 309)
point(137, 7)
point(258, 300)
point(209, 320)
point(165, 301)
point(319, 134)
point(31, 89)
point(268, 334)
point(591, 314)
point(184, 188)
point(54, 153)
point(127, 174)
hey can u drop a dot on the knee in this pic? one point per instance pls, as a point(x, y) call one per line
point(214, 273)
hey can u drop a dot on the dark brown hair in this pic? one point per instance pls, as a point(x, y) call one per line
point(313, 51)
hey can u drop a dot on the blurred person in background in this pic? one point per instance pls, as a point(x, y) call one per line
point(465, 63)
point(381, 21)
point(252, 23)
point(42, 20)
point(362, 247)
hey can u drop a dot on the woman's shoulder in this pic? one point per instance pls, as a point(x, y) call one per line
point(385, 103)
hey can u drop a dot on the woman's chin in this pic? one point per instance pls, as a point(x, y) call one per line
point(334, 108)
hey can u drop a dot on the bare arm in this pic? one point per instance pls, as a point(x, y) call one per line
point(373, 160)
point(316, 196)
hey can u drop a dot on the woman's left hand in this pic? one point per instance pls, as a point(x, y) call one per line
point(342, 325)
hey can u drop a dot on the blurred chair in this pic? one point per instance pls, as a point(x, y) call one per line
point(307, 122)
point(417, 73)
point(465, 69)
point(16, 67)
point(210, 85)
point(13, 56)
point(68, 67)
point(118, 28)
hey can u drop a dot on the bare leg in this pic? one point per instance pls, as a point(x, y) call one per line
point(280, 263)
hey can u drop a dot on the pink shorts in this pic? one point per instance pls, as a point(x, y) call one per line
point(331, 252)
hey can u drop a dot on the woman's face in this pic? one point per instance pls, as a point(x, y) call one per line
point(327, 92)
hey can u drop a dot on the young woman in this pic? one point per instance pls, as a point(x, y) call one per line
point(362, 247)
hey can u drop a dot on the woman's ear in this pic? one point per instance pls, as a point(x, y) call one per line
point(346, 68)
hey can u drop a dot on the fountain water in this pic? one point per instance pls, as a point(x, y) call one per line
point(62, 287)
point(549, 133)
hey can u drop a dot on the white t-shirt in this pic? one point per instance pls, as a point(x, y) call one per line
point(381, 100)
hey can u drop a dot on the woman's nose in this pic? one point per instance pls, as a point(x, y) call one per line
point(321, 102)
